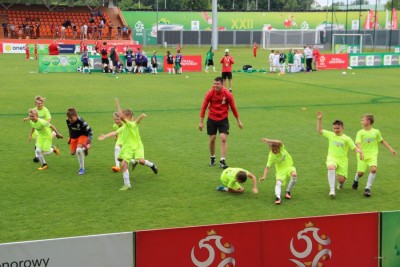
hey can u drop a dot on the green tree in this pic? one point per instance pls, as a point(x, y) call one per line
point(396, 4)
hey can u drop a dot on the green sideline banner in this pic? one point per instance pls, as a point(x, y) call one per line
point(374, 60)
point(390, 238)
point(43, 49)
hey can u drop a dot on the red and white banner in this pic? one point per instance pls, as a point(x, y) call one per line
point(329, 241)
point(333, 61)
point(10, 48)
point(215, 245)
point(189, 63)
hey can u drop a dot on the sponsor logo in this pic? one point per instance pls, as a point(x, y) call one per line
point(336, 60)
point(26, 263)
point(189, 62)
point(213, 246)
point(310, 248)
point(322, 60)
point(72, 60)
point(63, 60)
point(55, 61)
point(45, 60)
point(139, 27)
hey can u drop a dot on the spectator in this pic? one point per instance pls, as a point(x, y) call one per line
point(53, 30)
point(85, 32)
point(54, 49)
point(308, 54)
point(110, 30)
point(124, 31)
point(91, 20)
point(37, 27)
point(12, 30)
point(74, 29)
point(119, 32)
point(67, 23)
point(100, 32)
point(62, 32)
point(316, 57)
point(5, 29)
point(81, 35)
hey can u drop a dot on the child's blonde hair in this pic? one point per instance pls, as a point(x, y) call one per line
point(33, 111)
point(40, 98)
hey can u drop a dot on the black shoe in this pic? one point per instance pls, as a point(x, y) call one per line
point(134, 165)
point(212, 161)
point(154, 168)
point(35, 159)
point(367, 192)
point(355, 185)
point(222, 164)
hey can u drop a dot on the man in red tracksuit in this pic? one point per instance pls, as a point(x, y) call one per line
point(218, 100)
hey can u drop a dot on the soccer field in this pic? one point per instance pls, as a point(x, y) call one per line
point(58, 202)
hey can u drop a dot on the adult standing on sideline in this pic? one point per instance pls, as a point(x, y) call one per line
point(54, 49)
point(227, 62)
point(308, 54)
point(316, 57)
point(218, 100)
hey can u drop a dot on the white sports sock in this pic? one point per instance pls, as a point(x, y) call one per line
point(36, 155)
point(356, 178)
point(81, 157)
point(214, 69)
point(40, 156)
point(331, 179)
point(127, 181)
point(148, 163)
point(291, 183)
point(371, 178)
point(278, 189)
point(206, 68)
point(117, 149)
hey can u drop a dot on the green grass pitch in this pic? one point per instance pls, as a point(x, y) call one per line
point(58, 202)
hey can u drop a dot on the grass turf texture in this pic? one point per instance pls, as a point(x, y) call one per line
point(57, 202)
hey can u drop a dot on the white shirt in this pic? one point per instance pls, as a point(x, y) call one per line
point(308, 52)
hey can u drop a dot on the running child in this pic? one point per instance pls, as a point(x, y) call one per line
point(231, 178)
point(337, 159)
point(283, 167)
point(44, 139)
point(80, 137)
point(368, 139)
point(132, 146)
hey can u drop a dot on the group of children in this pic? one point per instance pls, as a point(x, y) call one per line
point(366, 145)
point(128, 148)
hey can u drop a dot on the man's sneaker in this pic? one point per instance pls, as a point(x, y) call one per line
point(287, 195)
point(332, 194)
point(355, 185)
point(44, 167)
point(125, 187)
point(56, 150)
point(81, 171)
point(220, 188)
point(134, 165)
point(212, 161)
point(116, 169)
point(339, 186)
point(277, 201)
point(35, 159)
point(367, 192)
point(154, 168)
point(222, 164)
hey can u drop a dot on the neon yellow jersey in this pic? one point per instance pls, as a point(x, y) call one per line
point(43, 113)
point(42, 127)
point(338, 145)
point(228, 177)
point(282, 160)
point(119, 138)
point(369, 142)
point(130, 136)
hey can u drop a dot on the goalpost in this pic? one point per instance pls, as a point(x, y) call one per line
point(284, 39)
point(350, 42)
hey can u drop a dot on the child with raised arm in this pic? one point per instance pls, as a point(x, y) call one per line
point(117, 124)
point(367, 139)
point(283, 166)
point(337, 160)
point(132, 147)
point(80, 137)
point(44, 139)
point(231, 178)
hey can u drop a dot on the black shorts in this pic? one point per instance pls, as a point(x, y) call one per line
point(114, 63)
point(210, 62)
point(129, 64)
point(144, 64)
point(227, 75)
point(105, 61)
point(154, 65)
point(220, 126)
point(85, 64)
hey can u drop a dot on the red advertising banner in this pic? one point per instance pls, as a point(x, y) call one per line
point(329, 241)
point(215, 245)
point(189, 63)
point(333, 61)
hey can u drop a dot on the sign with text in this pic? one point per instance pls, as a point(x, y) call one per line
point(374, 60)
point(9, 48)
point(114, 250)
point(333, 61)
point(189, 63)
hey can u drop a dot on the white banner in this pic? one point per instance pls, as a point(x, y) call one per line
point(13, 48)
point(109, 250)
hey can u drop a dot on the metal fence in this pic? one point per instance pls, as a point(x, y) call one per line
point(372, 38)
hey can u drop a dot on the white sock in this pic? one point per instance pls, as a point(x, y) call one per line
point(371, 178)
point(36, 155)
point(127, 181)
point(278, 189)
point(117, 149)
point(291, 183)
point(356, 178)
point(133, 162)
point(331, 179)
point(40, 155)
point(214, 69)
point(206, 68)
point(148, 163)
point(81, 157)
point(48, 152)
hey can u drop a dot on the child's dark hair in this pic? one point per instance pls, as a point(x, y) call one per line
point(338, 122)
point(128, 112)
point(369, 117)
point(241, 176)
point(71, 112)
